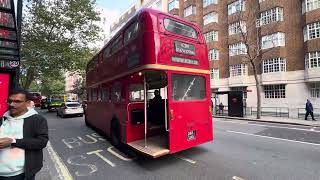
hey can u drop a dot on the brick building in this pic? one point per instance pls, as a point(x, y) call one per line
point(288, 34)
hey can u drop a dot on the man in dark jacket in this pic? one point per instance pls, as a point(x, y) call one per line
point(23, 135)
point(309, 110)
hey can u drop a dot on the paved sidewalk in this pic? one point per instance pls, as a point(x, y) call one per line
point(282, 120)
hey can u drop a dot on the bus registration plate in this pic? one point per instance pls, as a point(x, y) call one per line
point(191, 135)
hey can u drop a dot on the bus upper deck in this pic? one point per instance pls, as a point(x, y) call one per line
point(154, 40)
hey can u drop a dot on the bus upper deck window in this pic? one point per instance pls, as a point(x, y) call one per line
point(179, 28)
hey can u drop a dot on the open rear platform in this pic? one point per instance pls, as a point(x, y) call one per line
point(156, 146)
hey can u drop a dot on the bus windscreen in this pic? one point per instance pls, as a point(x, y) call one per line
point(179, 28)
point(187, 87)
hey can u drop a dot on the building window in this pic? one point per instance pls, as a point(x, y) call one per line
point(237, 49)
point(273, 40)
point(214, 74)
point(236, 6)
point(213, 54)
point(211, 36)
point(190, 10)
point(275, 91)
point(271, 15)
point(309, 5)
point(209, 2)
point(210, 18)
point(312, 60)
point(311, 31)
point(237, 70)
point(173, 5)
point(315, 90)
point(274, 65)
point(237, 27)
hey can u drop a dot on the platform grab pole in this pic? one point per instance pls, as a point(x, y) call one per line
point(145, 109)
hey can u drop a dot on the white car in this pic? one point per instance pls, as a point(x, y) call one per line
point(70, 109)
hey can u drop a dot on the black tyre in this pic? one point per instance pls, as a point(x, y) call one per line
point(86, 121)
point(116, 134)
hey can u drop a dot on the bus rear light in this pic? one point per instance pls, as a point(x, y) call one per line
point(171, 114)
point(210, 109)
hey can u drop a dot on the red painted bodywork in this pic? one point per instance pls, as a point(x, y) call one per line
point(4, 91)
point(155, 46)
point(36, 98)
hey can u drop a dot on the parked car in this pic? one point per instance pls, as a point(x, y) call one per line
point(54, 104)
point(70, 109)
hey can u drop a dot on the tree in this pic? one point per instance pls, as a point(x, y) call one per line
point(55, 37)
point(52, 85)
point(250, 36)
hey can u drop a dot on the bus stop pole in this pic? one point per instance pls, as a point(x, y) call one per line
point(145, 109)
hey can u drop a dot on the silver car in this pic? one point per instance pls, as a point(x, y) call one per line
point(70, 109)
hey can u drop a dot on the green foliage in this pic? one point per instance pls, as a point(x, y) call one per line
point(52, 85)
point(55, 38)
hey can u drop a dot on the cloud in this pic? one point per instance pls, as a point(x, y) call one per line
point(108, 17)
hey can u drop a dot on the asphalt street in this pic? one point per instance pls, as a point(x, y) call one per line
point(240, 150)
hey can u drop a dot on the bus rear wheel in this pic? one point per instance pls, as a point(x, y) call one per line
point(115, 134)
point(86, 121)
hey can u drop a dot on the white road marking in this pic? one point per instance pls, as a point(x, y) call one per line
point(110, 150)
point(237, 178)
point(185, 159)
point(314, 144)
point(229, 121)
point(62, 169)
point(312, 129)
point(97, 152)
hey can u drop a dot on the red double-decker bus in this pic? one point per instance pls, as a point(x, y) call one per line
point(149, 86)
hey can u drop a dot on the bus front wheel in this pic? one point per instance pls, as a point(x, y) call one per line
point(115, 134)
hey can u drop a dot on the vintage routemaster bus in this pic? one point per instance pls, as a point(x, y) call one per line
point(154, 53)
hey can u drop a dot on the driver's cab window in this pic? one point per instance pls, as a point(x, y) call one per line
point(136, 92)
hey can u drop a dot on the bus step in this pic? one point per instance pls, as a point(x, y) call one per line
point(156, 146)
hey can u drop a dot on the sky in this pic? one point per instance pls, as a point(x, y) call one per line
point(110, 11)
point(115, 5)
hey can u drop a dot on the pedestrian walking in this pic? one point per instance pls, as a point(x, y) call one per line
point(23, 135)
point(309, 110)
point(221, 107)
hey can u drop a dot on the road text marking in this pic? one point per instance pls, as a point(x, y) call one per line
point(237, 178)
point(110, 150)
point(97, 152)
point(185, 159)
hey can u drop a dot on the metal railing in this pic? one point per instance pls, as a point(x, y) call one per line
point(250, 111)
point(302, 112)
